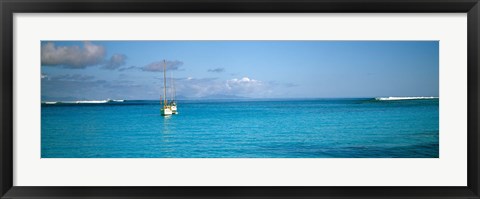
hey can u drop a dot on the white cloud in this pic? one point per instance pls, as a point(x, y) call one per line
point(244, 85)
point(72, 56)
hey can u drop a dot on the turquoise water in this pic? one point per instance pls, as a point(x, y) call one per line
point(320, 128)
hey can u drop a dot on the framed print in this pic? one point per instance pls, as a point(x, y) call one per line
point(265, 99)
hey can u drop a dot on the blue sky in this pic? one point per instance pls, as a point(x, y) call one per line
point(94, 70)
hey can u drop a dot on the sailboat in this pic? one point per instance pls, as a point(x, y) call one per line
point(166, 108)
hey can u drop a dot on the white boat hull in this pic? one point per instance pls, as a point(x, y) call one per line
point(174, 109)
point(166, 111)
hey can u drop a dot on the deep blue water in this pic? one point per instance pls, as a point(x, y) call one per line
point(321, 128)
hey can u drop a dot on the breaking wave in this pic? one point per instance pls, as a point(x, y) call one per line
point(404, 98)
point(83, 102)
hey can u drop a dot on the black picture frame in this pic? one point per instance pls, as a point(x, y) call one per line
point(10, 7)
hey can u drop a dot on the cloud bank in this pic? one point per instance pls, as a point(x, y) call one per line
point(87, 87)
point(213, 87)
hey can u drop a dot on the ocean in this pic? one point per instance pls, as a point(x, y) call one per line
point(299, 128)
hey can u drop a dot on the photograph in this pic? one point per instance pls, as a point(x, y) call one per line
point(251, 99)
point(239, 98)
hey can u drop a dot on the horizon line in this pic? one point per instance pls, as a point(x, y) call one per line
point(249, 98)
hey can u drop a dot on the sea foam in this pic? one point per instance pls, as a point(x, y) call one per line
point(83, 102)
point(404, 98)
point(92, 102)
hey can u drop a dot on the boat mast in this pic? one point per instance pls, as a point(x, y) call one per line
point(174, 90)
point(171, 83)
point(164, 83)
